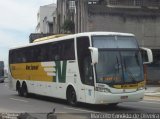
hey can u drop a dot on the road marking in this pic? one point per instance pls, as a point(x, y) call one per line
point(19, 100)
point(137, 106)
point(81, 110)
point(60, 112)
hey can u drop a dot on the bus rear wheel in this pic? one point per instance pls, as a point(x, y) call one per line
point(19, 90)
point(71, 97)
point(25, 90)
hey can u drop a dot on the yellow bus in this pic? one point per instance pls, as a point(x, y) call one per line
point(91, 67)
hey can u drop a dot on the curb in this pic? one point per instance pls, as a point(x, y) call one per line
point(152, 98)
point(153, 94)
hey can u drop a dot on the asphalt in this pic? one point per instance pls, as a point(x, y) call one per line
point(10, 102)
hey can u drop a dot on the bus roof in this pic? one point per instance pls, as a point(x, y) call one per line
point(69, 36)
point(49, 37)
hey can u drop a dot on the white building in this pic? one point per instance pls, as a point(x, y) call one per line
point(45, 18)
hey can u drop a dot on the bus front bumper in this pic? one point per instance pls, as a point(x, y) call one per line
point(108, 98)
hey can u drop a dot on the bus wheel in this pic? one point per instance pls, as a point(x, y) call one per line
point(19, 90)
point(71, 97)
point(25, 90)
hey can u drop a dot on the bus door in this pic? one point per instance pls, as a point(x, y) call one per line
point(88, 79)
point(86, 90)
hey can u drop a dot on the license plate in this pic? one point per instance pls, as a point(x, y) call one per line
point(124, 97)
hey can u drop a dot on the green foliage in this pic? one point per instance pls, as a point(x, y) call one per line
point(68, 26)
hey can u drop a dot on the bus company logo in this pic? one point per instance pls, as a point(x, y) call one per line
point(61, 68)
point(56, 69)
point(31, 67)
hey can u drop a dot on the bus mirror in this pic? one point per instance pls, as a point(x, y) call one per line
point(94, 52)
point(146, 55)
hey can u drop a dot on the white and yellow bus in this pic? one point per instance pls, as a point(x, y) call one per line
point(91, 67)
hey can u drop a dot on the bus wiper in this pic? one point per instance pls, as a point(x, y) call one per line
point(116, 70)
point(129, 72)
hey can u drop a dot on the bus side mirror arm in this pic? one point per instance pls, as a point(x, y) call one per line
point(149, 54)
point(94, 54)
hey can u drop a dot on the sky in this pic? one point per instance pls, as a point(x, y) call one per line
point(18, 19)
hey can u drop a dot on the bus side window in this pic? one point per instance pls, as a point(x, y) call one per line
point(11, 56)
point(23, 58)
point(18, 56)
point(43, 53)
point(54, 51)
point(26, 56)
point(84, 61)
point(67, 50)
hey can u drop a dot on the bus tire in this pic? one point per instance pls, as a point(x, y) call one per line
point(71, 97)
point(25, 90)
point(18, 88)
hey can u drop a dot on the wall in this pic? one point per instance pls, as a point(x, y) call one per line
point(45, 17)
point(146, 28)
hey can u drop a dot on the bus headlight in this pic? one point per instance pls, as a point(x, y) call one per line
point(102, 89)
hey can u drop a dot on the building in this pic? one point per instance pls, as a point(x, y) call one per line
point(45, 19)
point(63, 13)
point(140, 17)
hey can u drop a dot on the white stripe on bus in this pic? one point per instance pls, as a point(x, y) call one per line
point(51, 74)
point(49, 69)
point(46, 64)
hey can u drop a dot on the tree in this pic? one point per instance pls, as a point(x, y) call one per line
point(68, 26)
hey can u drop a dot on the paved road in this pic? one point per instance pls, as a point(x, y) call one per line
point(11, 102)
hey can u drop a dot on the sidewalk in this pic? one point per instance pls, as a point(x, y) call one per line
point(152, 92)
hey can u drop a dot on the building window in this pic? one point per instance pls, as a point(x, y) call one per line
point(72, 5)
point(153, 3)
point(50, 25)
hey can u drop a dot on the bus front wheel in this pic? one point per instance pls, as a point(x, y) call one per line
point(71, 97)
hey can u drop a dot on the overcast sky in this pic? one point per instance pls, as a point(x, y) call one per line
point(17, 21)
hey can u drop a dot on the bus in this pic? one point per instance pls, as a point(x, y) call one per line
point(90, 67)
point(1, 71)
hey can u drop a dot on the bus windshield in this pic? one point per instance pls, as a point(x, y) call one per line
point(119, 60)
